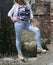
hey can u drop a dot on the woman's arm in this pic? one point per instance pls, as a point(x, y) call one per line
point(10, 14)
point(31, 17)
point(11, 11)
point(31, 13)
point(13, 18)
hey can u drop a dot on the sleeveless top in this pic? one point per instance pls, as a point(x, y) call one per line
point(23, 12)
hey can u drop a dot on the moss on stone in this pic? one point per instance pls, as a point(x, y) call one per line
point(29, 49)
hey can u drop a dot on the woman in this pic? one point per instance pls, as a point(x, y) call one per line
point(21, 14)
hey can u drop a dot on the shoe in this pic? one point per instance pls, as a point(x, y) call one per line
point(42, 50)
point(20, 57)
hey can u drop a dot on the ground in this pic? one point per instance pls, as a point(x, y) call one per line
point(41, 59)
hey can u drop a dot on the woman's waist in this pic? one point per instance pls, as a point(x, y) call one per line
point(20, 19)
point(24, 19)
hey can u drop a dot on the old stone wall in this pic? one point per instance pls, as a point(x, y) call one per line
point(42, 19)
point(51, 22)
point(7, 33)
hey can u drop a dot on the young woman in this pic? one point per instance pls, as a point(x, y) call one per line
point(21, 14)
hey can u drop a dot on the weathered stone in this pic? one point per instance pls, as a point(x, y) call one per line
point(29, 48)
point(50, 64)
point(8, 29)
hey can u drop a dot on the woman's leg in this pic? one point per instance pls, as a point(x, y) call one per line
point(37, 33)
point(37, 36)
point(18, 32)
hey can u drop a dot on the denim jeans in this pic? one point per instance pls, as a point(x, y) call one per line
point(19, 27)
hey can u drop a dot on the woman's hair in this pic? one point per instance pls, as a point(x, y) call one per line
point(20, 3)
point(16, 1)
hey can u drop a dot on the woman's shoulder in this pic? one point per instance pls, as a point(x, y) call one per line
point(15, 4)
point(27, 3)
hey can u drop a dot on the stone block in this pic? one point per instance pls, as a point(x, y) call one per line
point(29, 49)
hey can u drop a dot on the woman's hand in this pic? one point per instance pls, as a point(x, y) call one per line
point(14, 19)
point(31, 22)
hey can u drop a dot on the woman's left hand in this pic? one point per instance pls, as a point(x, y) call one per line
point(31, 23)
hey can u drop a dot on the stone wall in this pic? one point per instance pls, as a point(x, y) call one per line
point(43, 16)
point(42, 19)
point(7, 33)
point(51, 22)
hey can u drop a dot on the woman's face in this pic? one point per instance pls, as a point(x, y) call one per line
point(20, 0)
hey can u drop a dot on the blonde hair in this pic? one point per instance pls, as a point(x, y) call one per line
point(16, 1)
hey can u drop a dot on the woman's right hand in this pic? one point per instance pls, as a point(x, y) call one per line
point(14, 19)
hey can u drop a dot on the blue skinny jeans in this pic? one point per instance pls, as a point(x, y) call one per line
point(19, 27)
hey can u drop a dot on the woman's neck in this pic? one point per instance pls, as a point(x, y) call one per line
point(22, 3)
